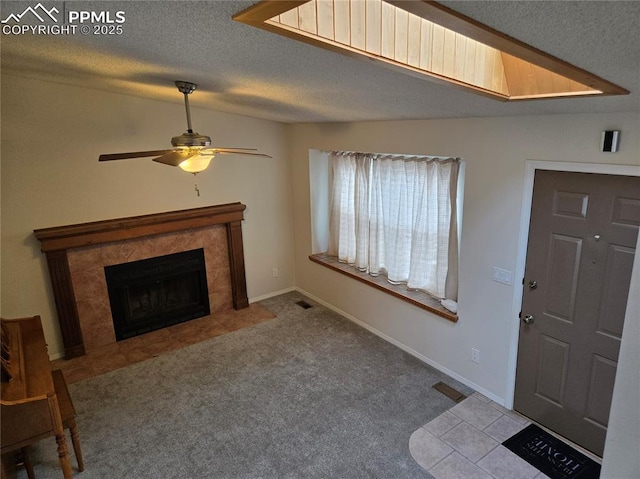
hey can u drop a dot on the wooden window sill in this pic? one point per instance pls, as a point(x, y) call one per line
point(417, 298)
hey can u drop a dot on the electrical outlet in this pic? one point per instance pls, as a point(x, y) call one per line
point(274, 272)
point(475, 355)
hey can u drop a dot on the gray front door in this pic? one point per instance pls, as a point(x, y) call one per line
point(582, 239)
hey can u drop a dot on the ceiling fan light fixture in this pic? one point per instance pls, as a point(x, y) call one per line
point(196, 164)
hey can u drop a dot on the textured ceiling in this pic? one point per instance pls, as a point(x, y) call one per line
point(244, 70)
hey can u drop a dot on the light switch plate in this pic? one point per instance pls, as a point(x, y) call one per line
point(502, 275)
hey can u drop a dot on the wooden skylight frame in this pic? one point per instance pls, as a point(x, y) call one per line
point(426, 39)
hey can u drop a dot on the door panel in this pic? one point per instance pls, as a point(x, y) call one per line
point(562, 278)
point(619, 266)
point(603, 374)
point(580, 253)
point(571, 204)
point(626, 211)
point(552, 369)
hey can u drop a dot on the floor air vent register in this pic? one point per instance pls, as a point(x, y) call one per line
point(448, 391)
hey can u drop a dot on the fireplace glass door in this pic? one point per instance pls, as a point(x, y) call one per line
point(157, 292)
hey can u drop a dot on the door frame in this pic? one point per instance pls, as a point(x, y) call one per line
point(523, 238)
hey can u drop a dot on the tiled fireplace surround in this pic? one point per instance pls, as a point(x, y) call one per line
point(87, 275)
point(77, 255)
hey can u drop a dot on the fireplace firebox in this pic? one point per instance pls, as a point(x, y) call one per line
point(157, 292)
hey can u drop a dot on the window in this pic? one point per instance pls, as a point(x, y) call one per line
point(391, 215)
point(429, 40)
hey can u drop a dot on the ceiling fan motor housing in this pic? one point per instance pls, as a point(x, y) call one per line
point(190, 139)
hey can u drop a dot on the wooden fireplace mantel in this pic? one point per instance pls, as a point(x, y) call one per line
point(56, 241)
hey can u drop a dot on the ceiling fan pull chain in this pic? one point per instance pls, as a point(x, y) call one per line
point(197, 190)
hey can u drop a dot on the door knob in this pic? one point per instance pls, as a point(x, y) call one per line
point(528, 319)
point(533, 284)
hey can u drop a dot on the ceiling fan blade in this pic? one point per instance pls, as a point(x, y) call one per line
point(230, 149)
point(239, 151)
point(135, 154)
point(213, 151)
point(236, 152)
point(175, 157)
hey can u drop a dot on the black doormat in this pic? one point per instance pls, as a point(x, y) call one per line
point(551, 456)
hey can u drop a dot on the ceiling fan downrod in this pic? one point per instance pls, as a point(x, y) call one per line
point(189, 139)
point(187, 88)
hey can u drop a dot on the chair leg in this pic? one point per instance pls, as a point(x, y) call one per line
point(75, 441)
point(28, 465)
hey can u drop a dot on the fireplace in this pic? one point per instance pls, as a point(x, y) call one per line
point(78, 254)
point(154, 293)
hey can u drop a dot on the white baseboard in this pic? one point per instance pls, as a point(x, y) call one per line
point(271, 295)
point(407, 349)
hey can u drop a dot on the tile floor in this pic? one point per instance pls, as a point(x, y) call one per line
point(123, 353)
point(466, 441)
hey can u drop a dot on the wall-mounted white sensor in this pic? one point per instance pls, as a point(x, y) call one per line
point(610, 140)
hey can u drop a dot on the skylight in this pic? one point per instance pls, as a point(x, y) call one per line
point(426, 39)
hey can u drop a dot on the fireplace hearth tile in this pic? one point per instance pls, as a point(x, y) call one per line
point(140, 348)
point(105, 351)
point(136, 355)
point(157, 336)
point(163, 348)
point(132, 343)
point(179, 331)
point(80, 373)
point(116, 361)
point(239, 323)
point(214, 329)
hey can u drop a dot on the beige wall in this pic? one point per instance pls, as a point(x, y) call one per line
point(51, 138)
point(495, 151)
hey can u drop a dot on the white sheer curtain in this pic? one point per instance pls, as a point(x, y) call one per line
point(397, 216)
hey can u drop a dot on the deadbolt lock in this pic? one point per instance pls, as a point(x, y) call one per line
point(528, 319)
point(533, 284)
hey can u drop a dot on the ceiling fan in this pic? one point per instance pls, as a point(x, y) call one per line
point(192, 152)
